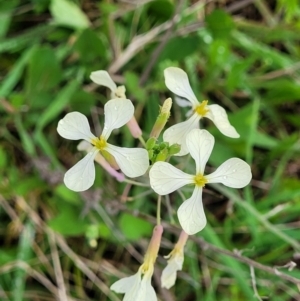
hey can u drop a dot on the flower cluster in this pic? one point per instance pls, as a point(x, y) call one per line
point(179, 140)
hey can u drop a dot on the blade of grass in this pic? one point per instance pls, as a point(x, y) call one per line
point(26, 140)
point(15, 74)
point(239, 272)
point(251, 210)
point(24, 254)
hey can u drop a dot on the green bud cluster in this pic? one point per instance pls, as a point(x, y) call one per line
point(160, 151)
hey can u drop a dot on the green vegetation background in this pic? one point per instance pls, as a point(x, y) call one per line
point(243, 55)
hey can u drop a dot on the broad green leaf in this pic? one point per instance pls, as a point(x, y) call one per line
point(90, 47)
point(161, 10)
point(220, 24)
point(82, 101)
point(67, 13)
point(44, 71)
point(219, 53)
point(68, 221)
point(175, 52)
point(133, 227)
point(62, 192)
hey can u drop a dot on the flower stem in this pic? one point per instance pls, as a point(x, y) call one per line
point(142, 141)
point(135, 183)
point(158, 210)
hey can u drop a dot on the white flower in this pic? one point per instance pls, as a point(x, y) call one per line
point(177, 81)
point(169, 273)
point(74, 126)
point(175, 262)
point(165, 178)
point(138, 287)
point(101, 77)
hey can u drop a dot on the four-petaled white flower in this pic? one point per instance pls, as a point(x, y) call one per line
point(133, 162)
point(165, 178)
point(177, 81)
point(138, 287)
point(175, 262)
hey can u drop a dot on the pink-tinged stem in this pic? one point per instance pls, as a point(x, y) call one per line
point(118, 175)
point(182, 239)
point(154, 244)
point(134, 128)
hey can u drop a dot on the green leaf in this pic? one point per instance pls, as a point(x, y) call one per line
point(281, 91)
point(6, 10)
point(67, 13)
point(133, 227)
point(133, 87)
point(174, 50)
point(24, 254)
point(27, 142)
point(14, 75)
point(161, 10)
point(68, 222)
point(48, 149)
point(220, 24)
point(90, 47)
point(219, 53)
point(26, 39)
point(62, 192)
point(44, 71)
point(3, 157)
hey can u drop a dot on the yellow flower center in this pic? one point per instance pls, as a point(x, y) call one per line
point(200, 180)
point(202, 108)
point(99, 143)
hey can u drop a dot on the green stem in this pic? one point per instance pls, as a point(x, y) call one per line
point(142, 141)
point(158, 218)
point(135, 183)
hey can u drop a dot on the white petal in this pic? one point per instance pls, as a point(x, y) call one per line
point(75, 126)
point(191, 214)
point(169, 274)
point(178, 132)
point(182, 102)
point(150, 294)
point(234, 173)
point(102, 78)
point(165, 178)
point(219, 117)
point(82, 175)
point(84, 146)
point(200, 144)
point(177, 81)
point(124, 285)
point(117, 112)
point(133, 162)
